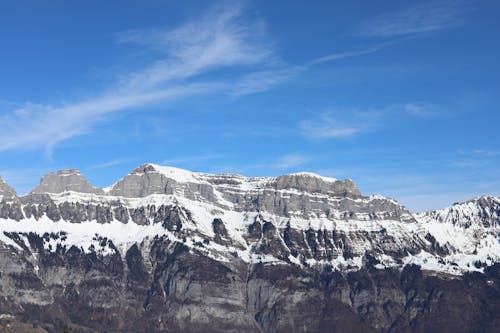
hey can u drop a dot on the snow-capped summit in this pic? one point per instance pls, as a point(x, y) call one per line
point(155, 179)
point(160, 230)
point(483, 211)
point(316, 220)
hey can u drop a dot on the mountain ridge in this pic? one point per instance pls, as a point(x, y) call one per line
point(165, 249)
point(304, 202)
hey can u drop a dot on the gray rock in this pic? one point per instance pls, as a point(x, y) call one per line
point(63, 181)
point(312, 184)
point(6, 192)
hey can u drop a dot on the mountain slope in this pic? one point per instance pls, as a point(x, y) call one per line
point(298, 253)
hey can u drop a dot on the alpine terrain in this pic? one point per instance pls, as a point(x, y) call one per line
point(169, 250)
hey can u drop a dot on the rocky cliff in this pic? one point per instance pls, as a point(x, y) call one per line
point(169, 250)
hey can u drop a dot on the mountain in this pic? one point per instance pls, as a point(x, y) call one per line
point(6, 192)
point(65, 181)
point(166, 249)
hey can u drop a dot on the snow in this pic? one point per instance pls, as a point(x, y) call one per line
point(314, 175)
point(179, 175)
point(459, 228)
point(68, 173)
point(81, 235)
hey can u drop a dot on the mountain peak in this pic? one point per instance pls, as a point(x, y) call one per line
point(157, 179)
point(313, 175)
point(177, 174)
point(65, 180)
point(144, 168)
point(6, 191)
point(314, 183)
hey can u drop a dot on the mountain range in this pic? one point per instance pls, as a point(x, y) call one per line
point(170, 250)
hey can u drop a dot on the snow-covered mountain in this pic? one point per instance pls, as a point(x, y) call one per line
point(67, 232)
point(300, 219)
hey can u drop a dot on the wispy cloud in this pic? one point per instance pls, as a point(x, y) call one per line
point(190, 159)
point(343, 55)
point(264, 80)
point(325, 127)
point(291, 161)
point(219, 39)
point(484, 152)
point(418, 109)
point(467, 164)
point(342, 123)
point(421, 18)
point(45, 125)
point(475, 159)
point(109, 164)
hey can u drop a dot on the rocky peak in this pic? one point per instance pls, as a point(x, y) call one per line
point(143, 169)
point(483, 211)
point(313, 183)
point(150, 179)
point(64, 181)
point(6, 191)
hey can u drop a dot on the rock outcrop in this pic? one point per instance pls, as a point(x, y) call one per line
point(6, 192)
point(64, 181)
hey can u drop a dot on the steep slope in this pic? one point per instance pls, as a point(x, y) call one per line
point(65, 181)
point(166, 249)
point(465, 234)
point(6, 192)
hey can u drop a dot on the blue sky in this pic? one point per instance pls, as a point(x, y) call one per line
point(400, 96)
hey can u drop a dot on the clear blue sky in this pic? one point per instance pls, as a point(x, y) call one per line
point(400, 96)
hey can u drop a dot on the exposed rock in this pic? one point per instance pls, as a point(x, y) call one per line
point(63, 181)
point(6, 192)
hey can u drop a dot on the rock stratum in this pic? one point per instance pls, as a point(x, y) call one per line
point(169, 250)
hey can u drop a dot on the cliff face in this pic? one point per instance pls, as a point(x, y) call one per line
point(168, 250)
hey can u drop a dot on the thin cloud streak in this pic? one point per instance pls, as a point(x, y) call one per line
point(220, 39)
point(325, 127)
point(264, 80)
point(291, 161)
point(343, 55)
point(422, 18)
point(43, 125)
point(109, 164)
point(344, 123)
point(216, 40)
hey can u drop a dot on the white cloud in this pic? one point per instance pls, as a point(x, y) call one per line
point(343, 55)
point(109, 164)
point(421, 18)
point(325, 127)
point(264, 80)
point(485, 152)
point(291, 161)
point(45, 125)
point(219, 39)
point(417, 109)
point(341, 123)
